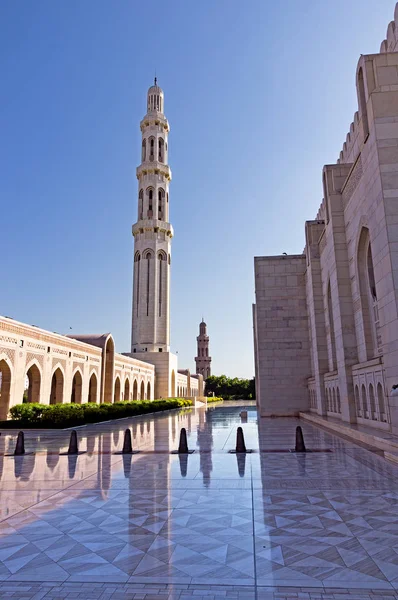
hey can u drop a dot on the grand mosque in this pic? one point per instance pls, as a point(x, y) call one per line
point(86, 368)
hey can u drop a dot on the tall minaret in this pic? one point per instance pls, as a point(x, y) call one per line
point(152, 234)
point(203, 359)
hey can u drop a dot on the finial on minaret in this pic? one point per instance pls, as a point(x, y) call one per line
point(156, 80)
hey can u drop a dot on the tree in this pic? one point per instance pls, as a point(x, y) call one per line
point(230, 389)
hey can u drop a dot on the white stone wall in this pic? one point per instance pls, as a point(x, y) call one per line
point(281, 328)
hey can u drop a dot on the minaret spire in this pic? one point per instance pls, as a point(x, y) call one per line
point(152, 233)
point(203, 359)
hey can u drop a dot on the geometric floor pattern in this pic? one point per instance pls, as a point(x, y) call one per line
point(261, 522)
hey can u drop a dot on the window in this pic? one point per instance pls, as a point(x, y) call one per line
point(362, 104)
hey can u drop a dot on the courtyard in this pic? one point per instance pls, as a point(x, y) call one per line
point(270, 524)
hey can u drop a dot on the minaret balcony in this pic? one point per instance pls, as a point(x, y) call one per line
point(154, 168)
point(155, 119)
point(154, 225)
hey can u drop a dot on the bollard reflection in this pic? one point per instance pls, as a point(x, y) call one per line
point(241, 461)
point(183, 458)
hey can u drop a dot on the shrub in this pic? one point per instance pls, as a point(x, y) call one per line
point(214, 399)
point(68, 415)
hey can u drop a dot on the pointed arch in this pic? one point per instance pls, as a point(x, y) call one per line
point(332, 339)
point(363, 111)
point(150, 193)
point(381, 403)
point(143, 153)
point(151, 148)
point(57, 386)
point(135, 390)
point(92, 388)
point(116, 395)
point(364, 402)
point(77, 384)
point(33, 375)
point(358, 402)
point(368, 295)
point(141, 205)
point(161, 205)
point(5, 387)
point(148, 391)
point(142, 391)
point(161, 150)
point(126, 395)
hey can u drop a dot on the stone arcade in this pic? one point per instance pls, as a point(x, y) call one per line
point(86, 368)
point(326, 321)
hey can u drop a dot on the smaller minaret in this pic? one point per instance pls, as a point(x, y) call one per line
point(203, 359)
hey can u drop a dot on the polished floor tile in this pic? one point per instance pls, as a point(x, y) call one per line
point(323, 520)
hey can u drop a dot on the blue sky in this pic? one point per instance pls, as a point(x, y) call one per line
point(259, 95)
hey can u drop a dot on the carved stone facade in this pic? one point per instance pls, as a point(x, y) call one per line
point(338, 300)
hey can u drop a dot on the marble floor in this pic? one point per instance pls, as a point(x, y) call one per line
point(270, 524)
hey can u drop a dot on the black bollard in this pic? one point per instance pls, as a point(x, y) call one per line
point(20, 445)
point(240, 441)
point(73, 444)
point(300, 446)
point(127, 445)
point(183, 446)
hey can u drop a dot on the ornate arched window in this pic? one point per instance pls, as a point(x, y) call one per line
point(364, 403)
point(162, 259)
point(368, 293)
point(161, 213)
point(362, 104)
point(161, 150)
point(141, 204)
point(151, 148)
point(143, 156)
point(332, 340)
point(150, 203)
point(148, 255)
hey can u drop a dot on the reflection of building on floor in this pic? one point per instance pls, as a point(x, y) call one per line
point(205, 443)
point(86, 368)
point(326, 320)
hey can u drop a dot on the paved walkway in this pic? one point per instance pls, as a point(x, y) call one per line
point(270, 524)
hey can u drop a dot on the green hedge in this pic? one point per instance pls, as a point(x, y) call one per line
point(70, 415)
point(214, 399)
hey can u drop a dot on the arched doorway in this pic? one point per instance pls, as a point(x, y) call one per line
point(92, 388)
point(34, 381)
point(372, 402)
point(116, 397)
point(148, 391)
point(109, 354)
point(173, 384)
point(57, 387)
point(135, 390)
point(126, 395)
point(357, 402)
point(364, 402)
point(382, 406)
point(76, 395)
point(142, 393)
point(5, 386)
